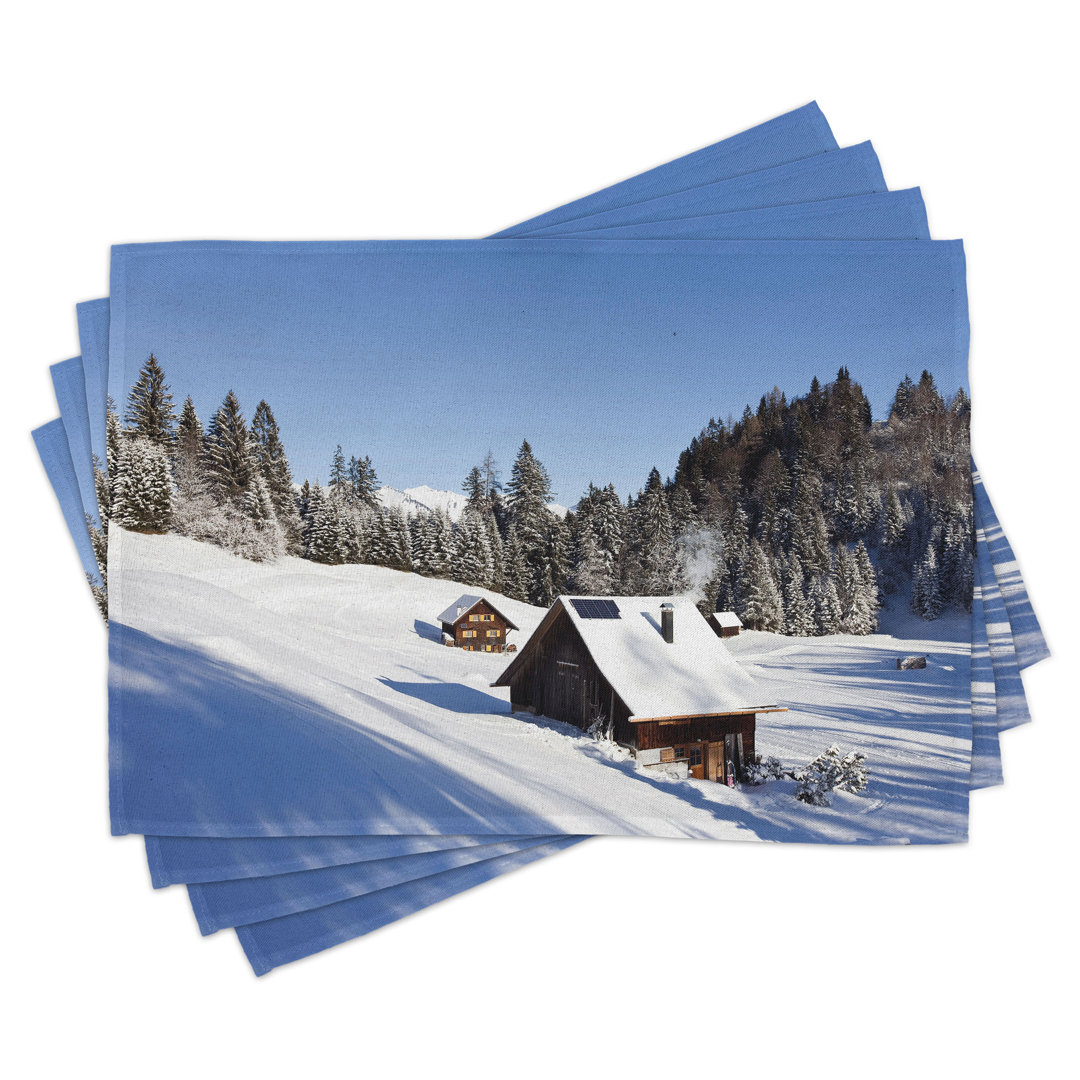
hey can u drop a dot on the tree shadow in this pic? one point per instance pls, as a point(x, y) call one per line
point(201, 747)
point(454, 697)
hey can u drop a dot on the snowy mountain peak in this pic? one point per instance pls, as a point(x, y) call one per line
point(415, 499)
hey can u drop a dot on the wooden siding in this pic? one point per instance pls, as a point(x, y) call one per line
point(481, 618)
point(655, 735)
point(560, 680)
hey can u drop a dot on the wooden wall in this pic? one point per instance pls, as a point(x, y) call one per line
point(560, 680)
point(479, 643)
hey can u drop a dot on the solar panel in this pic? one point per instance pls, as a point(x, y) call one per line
point(596, 609)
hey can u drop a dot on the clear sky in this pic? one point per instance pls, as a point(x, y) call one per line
point(608, 357)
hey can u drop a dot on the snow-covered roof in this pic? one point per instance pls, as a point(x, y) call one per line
point(465, 603)
point(726, 619)
point(694, 675)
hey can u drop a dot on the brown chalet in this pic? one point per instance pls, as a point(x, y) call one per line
point(651, 667)
point(473, 623)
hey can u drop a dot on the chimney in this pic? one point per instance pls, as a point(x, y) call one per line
point(667, 622)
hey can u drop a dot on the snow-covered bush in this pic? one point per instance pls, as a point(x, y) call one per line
point(856, 774)
point(203, 519)
point(600, 729)
point(829, 771)
point(757, 770)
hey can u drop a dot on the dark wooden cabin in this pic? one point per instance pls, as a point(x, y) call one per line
point(725, 623)
point(475, 624)
point(650, 667)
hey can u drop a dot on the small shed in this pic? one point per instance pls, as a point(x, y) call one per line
point(725, 623)
point(473, 623)
point(653, 670)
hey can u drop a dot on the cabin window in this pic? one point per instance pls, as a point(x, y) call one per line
point(695, 755)
point(468, 633)
point(481, 618)
point(493, 633)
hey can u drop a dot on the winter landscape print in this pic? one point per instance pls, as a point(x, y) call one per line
point(452, 544)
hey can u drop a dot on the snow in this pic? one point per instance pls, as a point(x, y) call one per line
point(726, 619)
point(693, 675)
point(416, 499)
point(295, 698)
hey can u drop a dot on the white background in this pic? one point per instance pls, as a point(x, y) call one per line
point(128, 122)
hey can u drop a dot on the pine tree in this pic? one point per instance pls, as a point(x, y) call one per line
point(363, 484)
point(527, 496)
point(592, 573)
point(926, 591)
point(661, 573)
point(229, 464)
point(824, 605)
point(762, 605)
point(470, 556)
point(188, 451)
point(272, 462)
point(143, 493)
point(798, 620)
point(338, 486)
point(516, 575)
point(114, 435)
point(149, 411)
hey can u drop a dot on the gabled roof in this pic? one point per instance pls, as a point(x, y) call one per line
point(726, 619)
point(464, 604)
point(694, 675)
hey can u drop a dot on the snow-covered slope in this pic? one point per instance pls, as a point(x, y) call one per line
point(306, 698)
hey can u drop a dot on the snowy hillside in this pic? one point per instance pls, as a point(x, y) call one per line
point(415, 499)
point(329, 691)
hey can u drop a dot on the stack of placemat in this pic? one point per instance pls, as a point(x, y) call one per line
point(653, 515)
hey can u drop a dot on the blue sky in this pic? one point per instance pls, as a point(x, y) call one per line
point(608, 357)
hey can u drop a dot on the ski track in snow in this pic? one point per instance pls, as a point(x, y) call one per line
point(315, 696)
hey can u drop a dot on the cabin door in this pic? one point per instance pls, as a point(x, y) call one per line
point(714, 762)
point(695, 754)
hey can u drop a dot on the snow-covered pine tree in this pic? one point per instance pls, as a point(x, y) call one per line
point(660, 568)
point(396, 541)
point(257, 503)
point(815, 780)
point(516, 575)
point(494, 567)
point(872, 596)
point(469, 555)
point(114, 435)
point(363, 484)
point(854, 773)
point(188, 453)
point(957, 564)
point(798, 619)
point(824, 605)
point(926, 589)
point(143, 492)
point(527, 496)
point(272, 461)
point(229, 465)
point(149, 411)
point(762, 605)
point(338, 486)
point(101, 490)
point(592, 569)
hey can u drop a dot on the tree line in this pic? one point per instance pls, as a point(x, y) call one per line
point(799, 516)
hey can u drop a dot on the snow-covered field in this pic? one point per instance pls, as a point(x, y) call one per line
point(295, 698)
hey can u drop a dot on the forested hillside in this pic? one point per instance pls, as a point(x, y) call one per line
point(799, 516)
